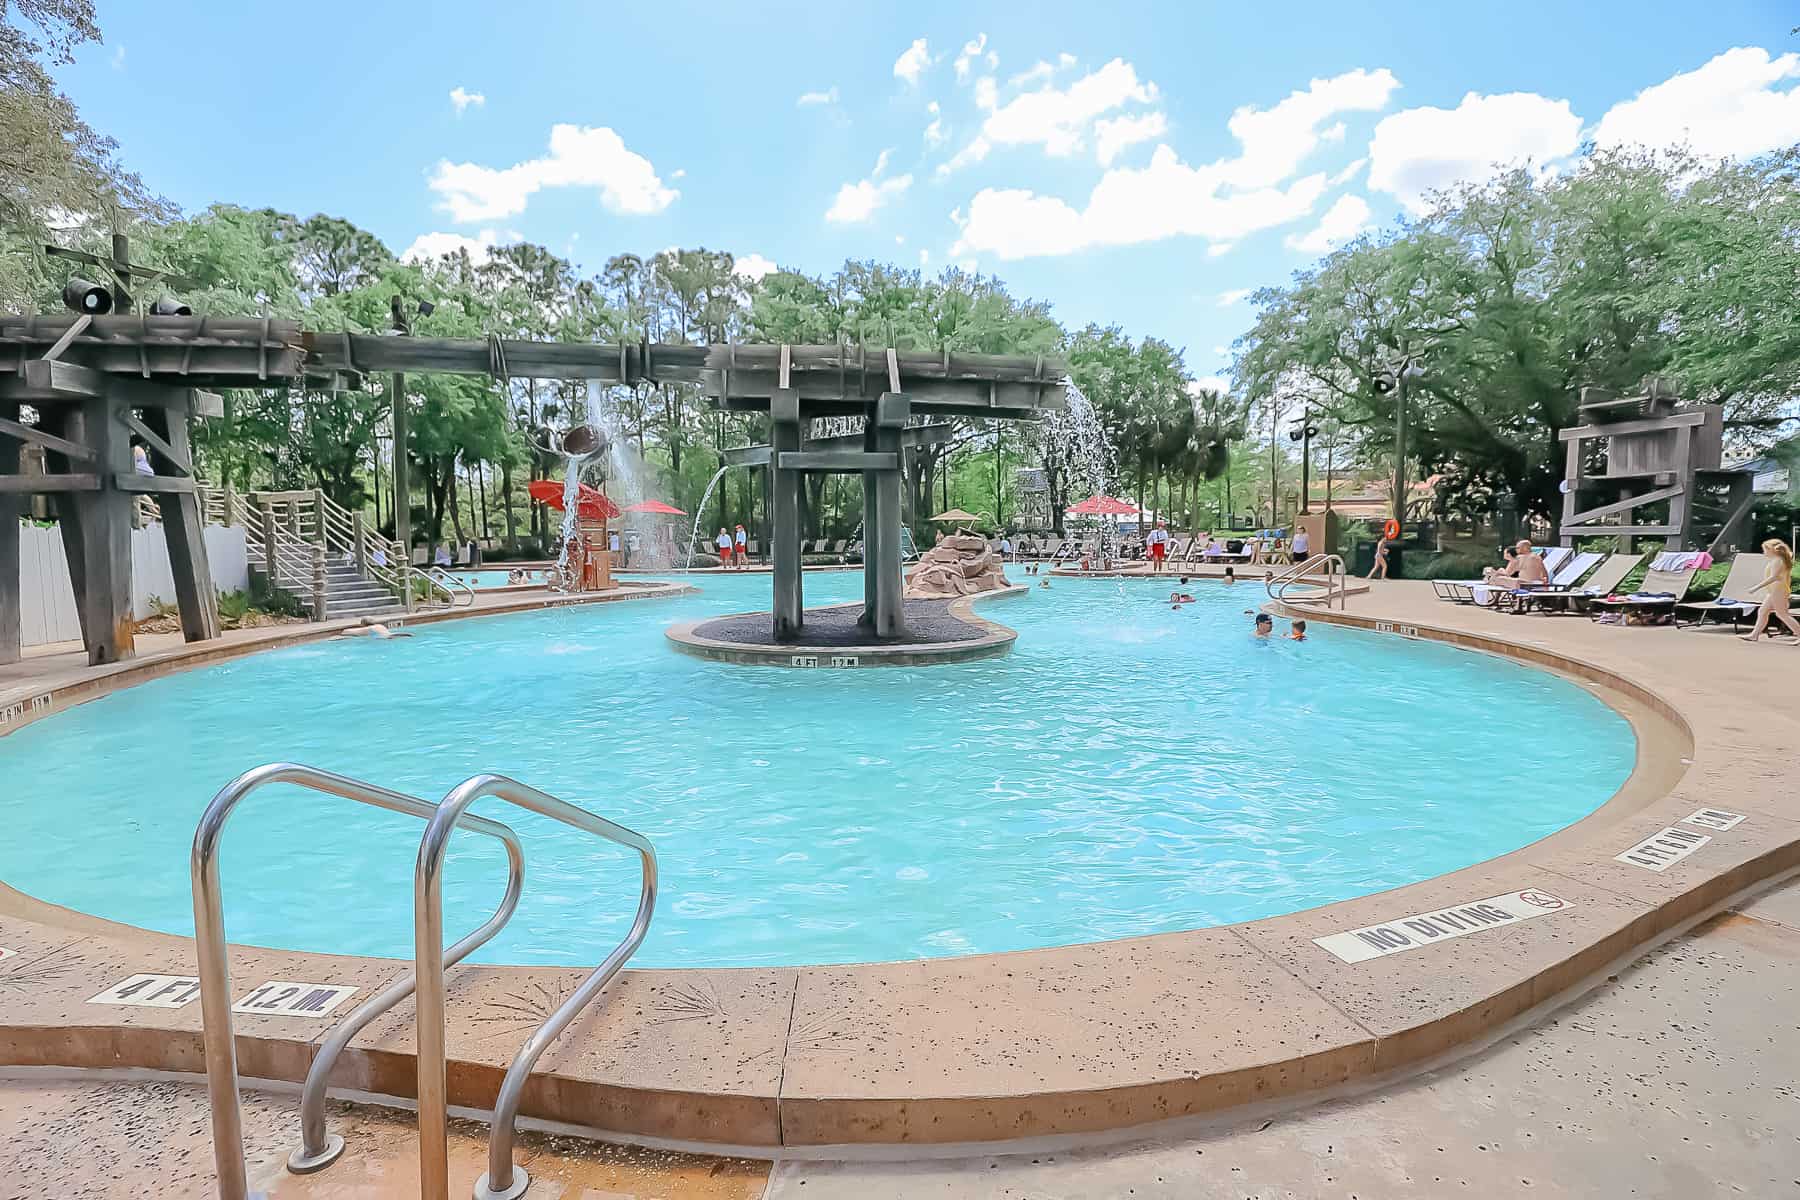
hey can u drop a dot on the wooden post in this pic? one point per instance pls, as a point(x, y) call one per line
point(271, 533)
point(361, 547)
point(402, 496)
point(784, 537)
point(104, 517)
point(884, 608)
point(318, 581)
point(184, 532)
point(10, 583)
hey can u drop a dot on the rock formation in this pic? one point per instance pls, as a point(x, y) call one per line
point(959, 565)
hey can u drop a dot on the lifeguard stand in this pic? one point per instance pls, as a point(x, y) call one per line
point(1650, 449)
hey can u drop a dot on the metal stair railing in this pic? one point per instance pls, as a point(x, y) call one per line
point(450, 585)
point(503, 1180)
point(1337, 585)
point(318, 1148)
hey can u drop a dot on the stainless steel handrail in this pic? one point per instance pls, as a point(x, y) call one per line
point(449, 583)
point(503, 1180)
point(215, 963)
point(1336, 579)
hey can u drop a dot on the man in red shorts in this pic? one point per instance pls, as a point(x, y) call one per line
point(1157, 543)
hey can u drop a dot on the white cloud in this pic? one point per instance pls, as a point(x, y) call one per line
point(924, 258)
point(1114, 134)
point(807, 99)
point(462, 100)
point(1220, 249)
point(1057, 118)
point(752, 267)
point(934, 132)
point(1341, 222)
point(987, 93)
point(1039, 72)
point(881, 162)
point(973, 51)
point(429, 247)
point(1728, 108)
point(118, 57)
point(1164, 199)
point(858, 201)
point(1235, 296)
point(1348, 173)
point(580, 156)
point(1421, 150)
point(912, 62)
point(1277, 140)
point(972, 153)
point(678, 173)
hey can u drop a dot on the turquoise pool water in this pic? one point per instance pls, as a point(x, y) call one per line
point(1126, 770)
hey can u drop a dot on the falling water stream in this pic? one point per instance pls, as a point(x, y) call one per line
point(700, 514)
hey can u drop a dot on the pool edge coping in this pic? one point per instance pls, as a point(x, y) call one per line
point(822, 1103)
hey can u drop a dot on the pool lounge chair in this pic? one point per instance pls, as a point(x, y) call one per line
point(1572, 599)
point(1661, 590)
point(1572, 569)
point(1736, 600)
point(1462, 591)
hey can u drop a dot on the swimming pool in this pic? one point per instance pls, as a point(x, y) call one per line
point(1127, 769)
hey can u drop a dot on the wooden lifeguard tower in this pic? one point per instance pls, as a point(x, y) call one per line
point(1649, 466)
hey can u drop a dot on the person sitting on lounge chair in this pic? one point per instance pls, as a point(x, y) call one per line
point(1525, 569)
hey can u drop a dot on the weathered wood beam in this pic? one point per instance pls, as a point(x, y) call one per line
point(1648, 425)
point(37, 437)
point(155, 441)
point(1623, 530)
point(35, 485)
point(745, 456)
point(837, 461)
point(131, 481)
point(10, 589)
point(75, 330)
point(1626, 505)
point(63, 379)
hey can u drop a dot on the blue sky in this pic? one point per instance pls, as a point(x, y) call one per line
point(1088, 154)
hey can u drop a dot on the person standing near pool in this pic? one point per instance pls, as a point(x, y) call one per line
point(1157, 543)
point(740, 547)
point(724, 543)
point(1379, 567)
point(1777, 581)
point(1302, 544)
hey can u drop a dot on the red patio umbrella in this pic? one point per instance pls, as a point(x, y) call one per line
point(590, 503)
point(657, 507)
point(1104, 506)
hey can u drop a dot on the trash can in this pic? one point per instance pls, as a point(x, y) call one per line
point(1362, 559)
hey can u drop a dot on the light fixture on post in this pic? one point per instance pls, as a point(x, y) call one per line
point(86, 296)
point(169, 306)
point(1393, 381)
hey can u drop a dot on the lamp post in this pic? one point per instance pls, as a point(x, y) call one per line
point(1395, 380)
point(1304, 432)
point(402, 497)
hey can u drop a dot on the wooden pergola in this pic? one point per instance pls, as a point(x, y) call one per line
point(94, 381)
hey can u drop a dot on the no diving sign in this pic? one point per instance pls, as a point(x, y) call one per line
point(1440, 925)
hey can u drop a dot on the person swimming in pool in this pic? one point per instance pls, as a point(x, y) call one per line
point(1297, 632)
point(370, 627)
point(1265, 625)
point(1230, 575)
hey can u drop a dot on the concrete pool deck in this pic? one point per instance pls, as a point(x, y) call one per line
point(1074, 1040)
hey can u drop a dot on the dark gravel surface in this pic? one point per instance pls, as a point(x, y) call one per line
point(928, 622)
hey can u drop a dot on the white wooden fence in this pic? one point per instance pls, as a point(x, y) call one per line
point(47, 601)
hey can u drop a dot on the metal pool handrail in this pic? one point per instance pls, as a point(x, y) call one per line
point(1337, 586)
point(215, 963)
point(503, 1181)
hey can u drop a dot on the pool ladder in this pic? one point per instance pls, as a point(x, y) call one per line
point(319, 1148)
point(1337, 583)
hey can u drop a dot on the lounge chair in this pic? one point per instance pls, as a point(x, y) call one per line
point(837, 547)
point(1734, 594)
point(1573, 599)
point(1661, 590)
point(1564, 580)
point(1462, 591)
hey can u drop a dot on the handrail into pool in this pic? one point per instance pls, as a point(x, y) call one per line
point(448, 584)
point(503, 1180)
point(215, 963)
point(1337, 581)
